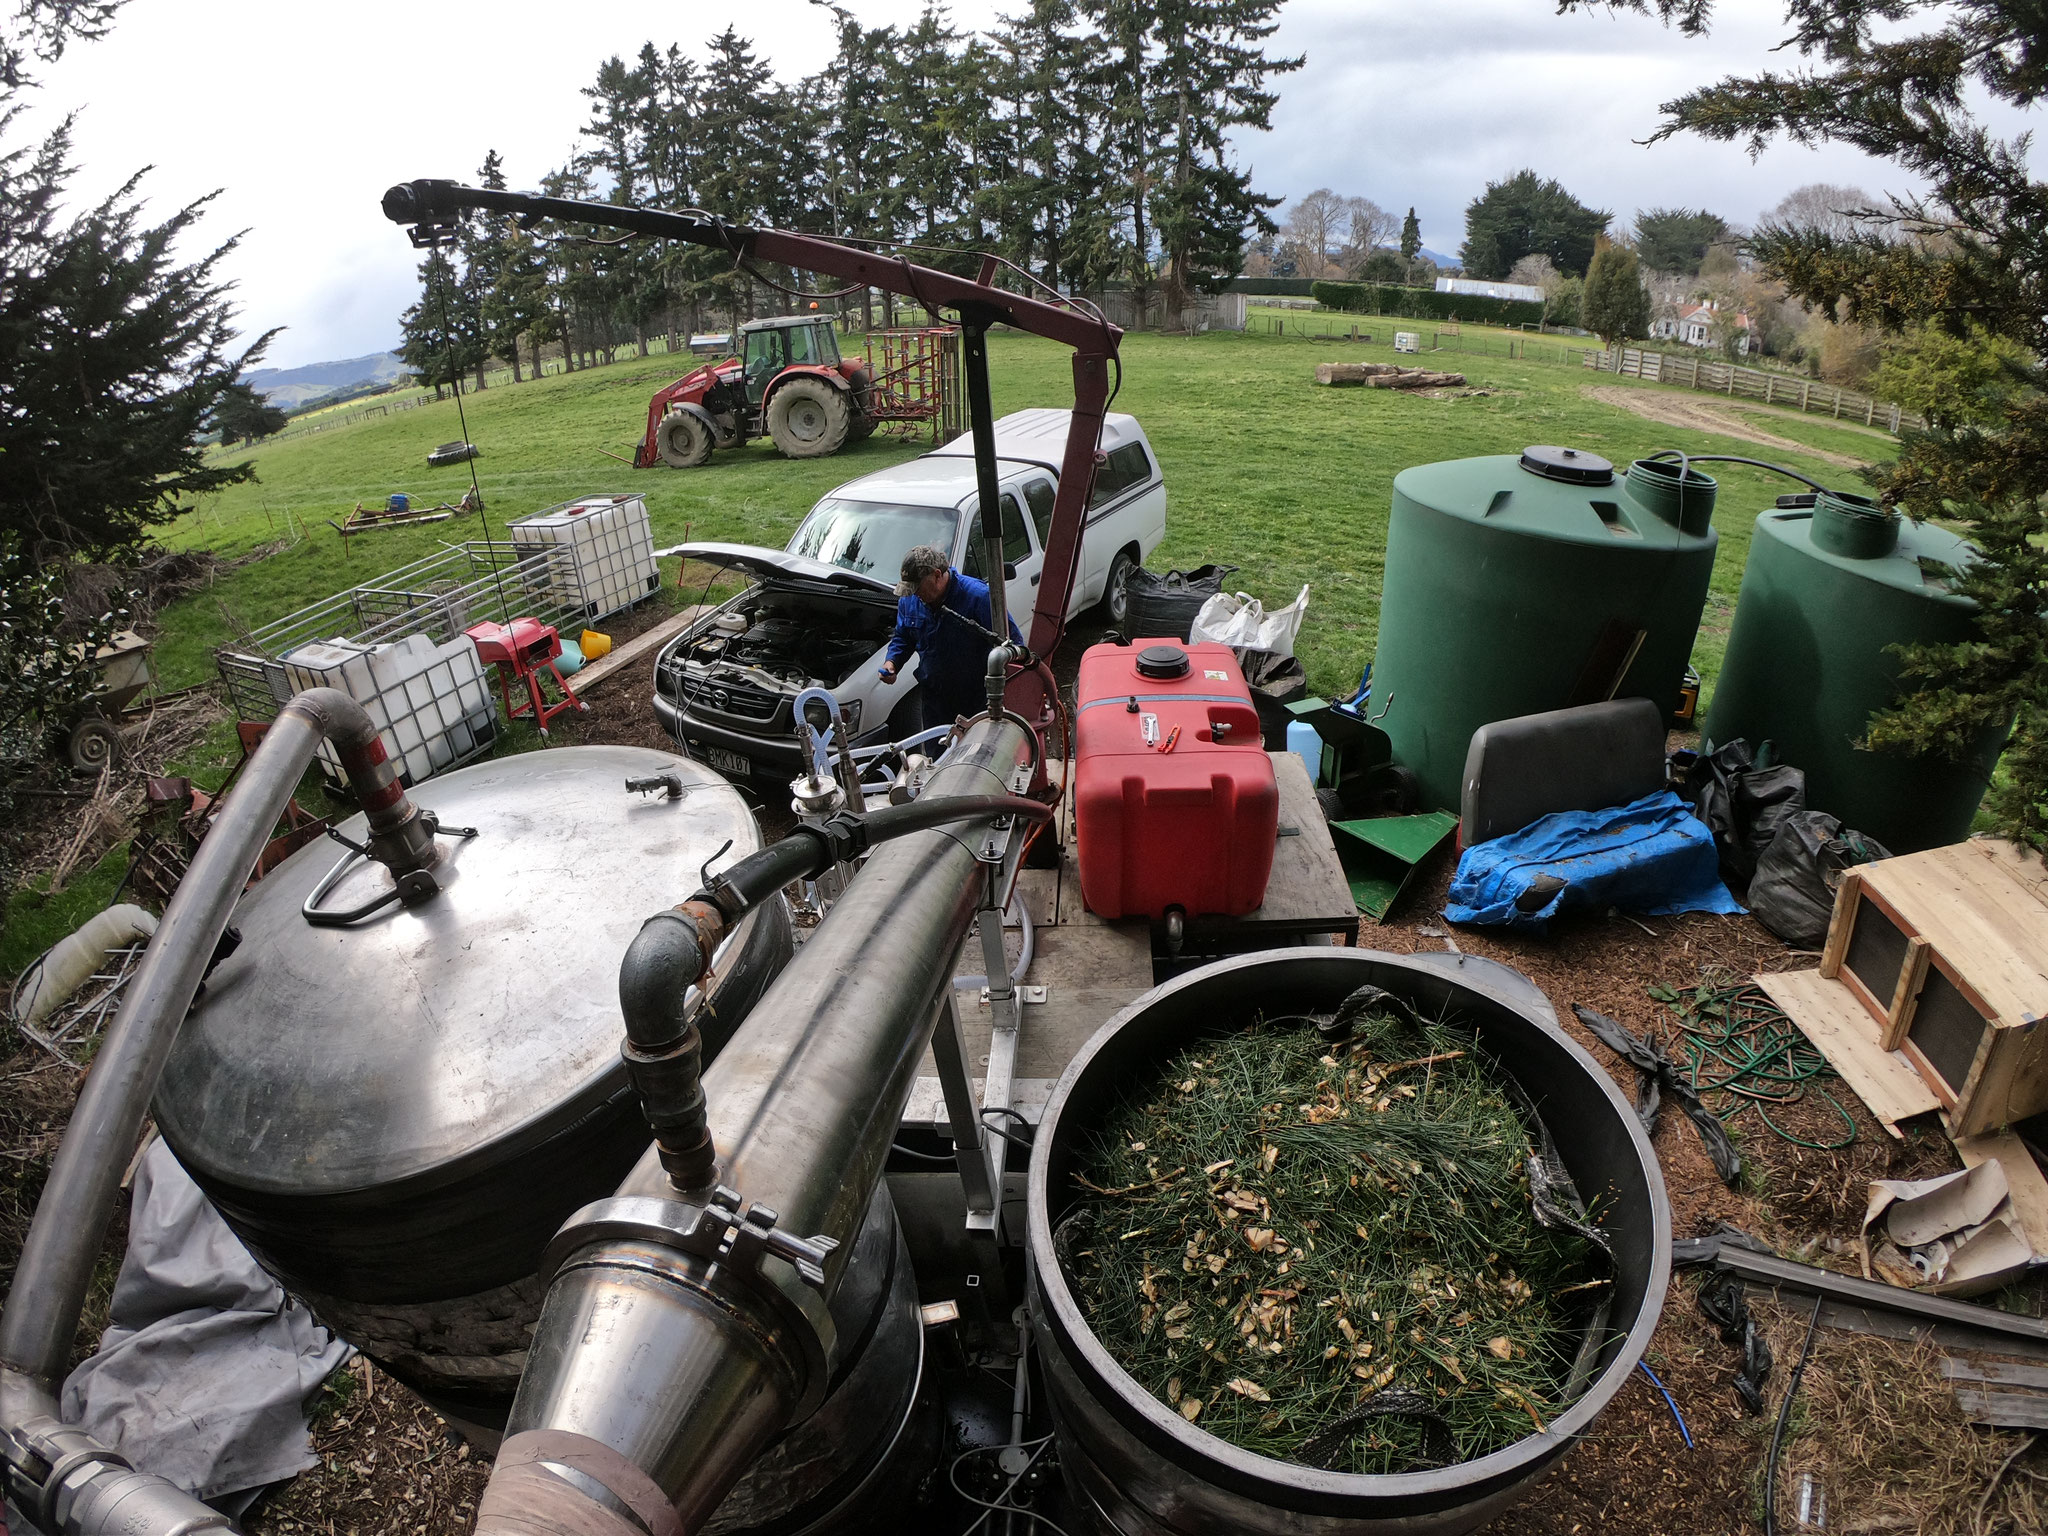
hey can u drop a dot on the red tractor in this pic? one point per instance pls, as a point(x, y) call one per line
point(789, 383)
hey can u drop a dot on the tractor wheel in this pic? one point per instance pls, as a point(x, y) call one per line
point(862, 426)
point(682, 440)
point(808, 419)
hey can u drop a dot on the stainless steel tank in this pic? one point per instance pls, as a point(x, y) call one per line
point(1135, 1467)
point(396, 1114)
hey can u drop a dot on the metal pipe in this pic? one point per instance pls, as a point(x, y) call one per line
point(686, 1365)
point(41, 1319)
point(981, 421)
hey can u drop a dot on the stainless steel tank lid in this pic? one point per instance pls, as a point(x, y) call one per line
point(334, 1059)
point(1574, 466)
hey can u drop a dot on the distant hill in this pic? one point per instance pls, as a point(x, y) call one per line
point(290, 388)
point(1438, 257)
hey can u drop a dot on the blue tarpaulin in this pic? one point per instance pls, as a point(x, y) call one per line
point(1651, 856)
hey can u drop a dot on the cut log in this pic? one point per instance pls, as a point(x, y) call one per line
point(1384, 376)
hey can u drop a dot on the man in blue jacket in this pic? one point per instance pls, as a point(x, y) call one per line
point(946, 618)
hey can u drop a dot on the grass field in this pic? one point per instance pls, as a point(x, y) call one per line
point(1264, 471)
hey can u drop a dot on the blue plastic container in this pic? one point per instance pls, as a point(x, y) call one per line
point(1306, 744)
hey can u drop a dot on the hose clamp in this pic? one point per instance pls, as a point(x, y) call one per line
point(718, 1247)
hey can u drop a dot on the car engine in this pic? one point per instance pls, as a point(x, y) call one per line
point(788, 640)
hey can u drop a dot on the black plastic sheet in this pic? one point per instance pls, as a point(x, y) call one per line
point(1656, 1075)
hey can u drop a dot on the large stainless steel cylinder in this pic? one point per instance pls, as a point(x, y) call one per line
point(1133, 1466)
point(396, 1114)
point(690, 1367)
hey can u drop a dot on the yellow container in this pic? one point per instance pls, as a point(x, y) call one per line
point(594, 645)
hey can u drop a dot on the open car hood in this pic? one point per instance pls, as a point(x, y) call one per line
point(762, 563)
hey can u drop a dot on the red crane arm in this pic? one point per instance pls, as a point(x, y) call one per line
point(433, 207)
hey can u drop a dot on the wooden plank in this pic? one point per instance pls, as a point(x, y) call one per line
point(2004, 1410)
point(1846, 897)
point(623, 656)
point(1089, 972)
point(1907, 994)
point(1996, 1372)
point(1307, 892)
point(1830, 1017)
point(1989, 924)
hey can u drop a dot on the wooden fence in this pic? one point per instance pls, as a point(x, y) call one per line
point(1808, 395)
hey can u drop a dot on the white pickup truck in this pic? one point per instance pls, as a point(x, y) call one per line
point(820, 611)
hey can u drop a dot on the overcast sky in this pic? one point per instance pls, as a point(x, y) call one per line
point(303, 115)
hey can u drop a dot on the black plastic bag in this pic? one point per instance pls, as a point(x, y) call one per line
point(1276, 681)
point(1793, 891)
point(1164, 607)
point(1743, 805)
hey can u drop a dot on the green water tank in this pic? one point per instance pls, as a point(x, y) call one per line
point(1515, 586)
point(1827, 591)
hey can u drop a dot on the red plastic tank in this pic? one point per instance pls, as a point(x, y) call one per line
point(1175, 803)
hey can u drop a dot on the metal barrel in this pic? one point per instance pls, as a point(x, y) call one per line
point(1134, 1466)
point(675, 1372)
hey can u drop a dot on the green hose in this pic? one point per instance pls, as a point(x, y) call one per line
point(1740, 1045)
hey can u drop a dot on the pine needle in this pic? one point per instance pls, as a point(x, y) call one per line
point(1356, 1263)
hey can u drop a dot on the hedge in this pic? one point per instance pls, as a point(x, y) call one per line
point(1425, 303)
point(1274, 287)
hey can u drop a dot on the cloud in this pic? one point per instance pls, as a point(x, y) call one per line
point(303, 115)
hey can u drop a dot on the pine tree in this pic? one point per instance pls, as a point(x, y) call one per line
point(739, 104)
point(441, 334)
point(1528, 215)
point(113, 358)
point(1677, 239)
point(1055, 133)
point(1210, 78)
point(1615, 306)
point(243, 416)
point(1411, 236)
point(1972, 252)
point(510, 276)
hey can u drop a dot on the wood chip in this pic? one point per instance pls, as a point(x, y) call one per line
point(1190, 1408)
point(1250, 1389)
point(1500, 1349)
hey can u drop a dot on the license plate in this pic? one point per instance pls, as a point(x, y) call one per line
point(731, 763)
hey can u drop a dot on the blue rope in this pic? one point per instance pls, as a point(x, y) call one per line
point(1669, 1400)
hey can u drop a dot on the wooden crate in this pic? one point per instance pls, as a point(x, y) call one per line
point(1947, 951)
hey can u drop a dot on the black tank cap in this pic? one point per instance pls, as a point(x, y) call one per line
point(1163, 661)
point(1574, 466)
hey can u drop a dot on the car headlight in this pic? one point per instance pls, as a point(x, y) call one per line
point(849, 712)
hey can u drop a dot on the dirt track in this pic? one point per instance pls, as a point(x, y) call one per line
point(1698, 416)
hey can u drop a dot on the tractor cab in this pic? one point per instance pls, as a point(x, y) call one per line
point(791, 341)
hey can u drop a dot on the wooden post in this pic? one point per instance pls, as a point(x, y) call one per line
point(1805, 388)
point(1869, 406)
point(1767, 388)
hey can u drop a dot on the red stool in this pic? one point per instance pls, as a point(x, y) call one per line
point(524, 649)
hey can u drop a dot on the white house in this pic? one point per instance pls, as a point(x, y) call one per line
point(1694, 326)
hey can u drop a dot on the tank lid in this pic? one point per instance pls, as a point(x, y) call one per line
point(1163, 661)
point(1574, 466)
point(337, 1059)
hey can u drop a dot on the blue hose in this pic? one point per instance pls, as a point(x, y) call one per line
point(1669, 1401)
